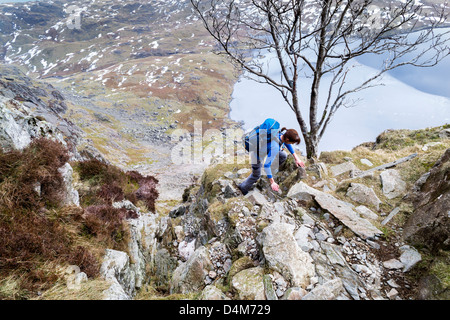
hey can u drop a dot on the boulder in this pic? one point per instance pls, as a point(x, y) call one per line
point(142, 242)
point(230, 191)
point(330, 290)
point(367, 162)
point(444, 134)
point(302, 236)
point(190, 275)
point(429, 224)
point(13, 133)
point(71, 196)
point(294, 293)
point(164, 266)
point(391, 215)
point(343, 168)
point(366, 213)
point(283, 254)
point(211, 292)
point(127, 272)
point(276, 211)
point(302, 191)
point(393, 264)
point(19, 126)
point(256, 197)
point(243, 172)
point(269, 289)
point(393, 185)
point(186, 249)
point(249, 284)
point(116, 269)
point(240, 264)
point(409, 257)
point(363, 195)
point(339, 209)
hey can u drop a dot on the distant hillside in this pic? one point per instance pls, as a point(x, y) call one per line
point(145, 68)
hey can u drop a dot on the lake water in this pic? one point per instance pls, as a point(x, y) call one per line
point(14, 1)
point(410, 98)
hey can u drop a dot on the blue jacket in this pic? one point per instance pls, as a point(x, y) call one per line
point(272, 150)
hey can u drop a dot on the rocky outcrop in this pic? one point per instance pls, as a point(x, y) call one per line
point(18, 126)
point(429, 224)
point(262, 246)
point(117, 270)
point(128, 271)
point(341, 210)
point(31, 109)
point(190, 276)
point(283, 254)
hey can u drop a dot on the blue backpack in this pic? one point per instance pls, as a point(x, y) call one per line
point(267, 130)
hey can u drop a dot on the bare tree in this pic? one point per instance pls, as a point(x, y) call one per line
point(319, 40)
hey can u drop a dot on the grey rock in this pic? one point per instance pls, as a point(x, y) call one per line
point(294, 293)
point(367, 162)
point(393, 264)
point(301, 236)
point(363, 194)
point(392, 283)
point(211, 292)
point(393, 185)
point(249, 284)
point(391, 215)
point(334, 254)
point(430, 145)
point(366, 213)
point(327, 291)
point(343, 168)
point(116, 269)
point(429, 224)
point(283, 254)
point(339, 209)
point(444, 134)
point(230, 191)
point(13, 133)
point(269, 289)
point(243, 172)
point(71, 196)
point(301, 191)
point(190, 275)
point(409, 257)
point(392, 294)
point(256, 197)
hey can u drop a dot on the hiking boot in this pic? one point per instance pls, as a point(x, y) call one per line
point(243, 192)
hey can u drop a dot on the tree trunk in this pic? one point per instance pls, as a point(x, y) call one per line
point(312, 148)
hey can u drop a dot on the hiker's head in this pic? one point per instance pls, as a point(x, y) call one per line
point(290, 136)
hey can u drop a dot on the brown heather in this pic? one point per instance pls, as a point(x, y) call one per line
point(38, 234)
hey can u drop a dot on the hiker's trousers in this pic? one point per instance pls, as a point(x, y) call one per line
point(256, 172)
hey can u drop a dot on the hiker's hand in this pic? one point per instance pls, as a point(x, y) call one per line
point(275, 187)
point(300, 163)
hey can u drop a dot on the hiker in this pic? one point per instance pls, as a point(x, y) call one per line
point(268, 141)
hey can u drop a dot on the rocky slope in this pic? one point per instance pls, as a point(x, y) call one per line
point(355, 225)
point(344, 229)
